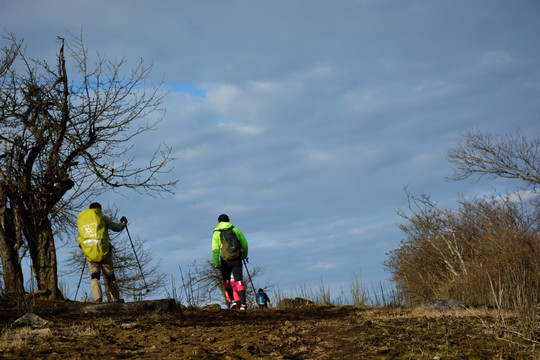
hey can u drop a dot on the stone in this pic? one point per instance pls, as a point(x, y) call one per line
point(162, 305)
point(442, 305)
point(30, 319)
point(294, 303)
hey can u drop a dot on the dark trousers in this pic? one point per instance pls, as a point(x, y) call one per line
point(233, 267)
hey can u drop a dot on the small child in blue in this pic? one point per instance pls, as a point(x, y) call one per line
point(262, 299)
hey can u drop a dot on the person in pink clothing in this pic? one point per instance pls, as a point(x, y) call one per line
point(236, 297)
point(230, 265)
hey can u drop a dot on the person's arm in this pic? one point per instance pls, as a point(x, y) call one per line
point(216, 242)
point(114, 226)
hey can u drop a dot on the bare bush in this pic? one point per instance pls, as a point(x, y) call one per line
point(456, 254)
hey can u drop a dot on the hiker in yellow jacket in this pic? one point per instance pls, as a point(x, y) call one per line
point(94, 242)
point(229, 248)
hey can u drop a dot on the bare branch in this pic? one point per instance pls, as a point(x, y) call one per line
point(508, 156)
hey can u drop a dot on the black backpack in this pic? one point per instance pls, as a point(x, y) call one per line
point(231, 248)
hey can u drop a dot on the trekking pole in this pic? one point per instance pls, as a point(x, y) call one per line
point(80, 279)
point(249, 275)
point(136, 258)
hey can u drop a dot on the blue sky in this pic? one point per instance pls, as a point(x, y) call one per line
point(304, 120)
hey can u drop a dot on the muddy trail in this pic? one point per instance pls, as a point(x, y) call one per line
point(69, 330)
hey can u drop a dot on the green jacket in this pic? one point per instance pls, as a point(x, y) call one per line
point(216, 241)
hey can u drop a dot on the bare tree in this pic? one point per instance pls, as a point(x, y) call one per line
point(508, 156)
point(67, 141)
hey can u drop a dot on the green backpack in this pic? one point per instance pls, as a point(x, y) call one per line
point(231, 248)
point(92, 238)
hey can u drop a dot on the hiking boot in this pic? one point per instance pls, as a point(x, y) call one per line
point(233, 305)
point(99, 301)
point(243, 307)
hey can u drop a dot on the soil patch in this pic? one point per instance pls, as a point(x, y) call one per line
point(310, 332)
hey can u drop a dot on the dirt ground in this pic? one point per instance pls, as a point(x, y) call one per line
point(311, 332)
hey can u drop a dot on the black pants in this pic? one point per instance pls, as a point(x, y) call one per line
point(234, 267)
point(231, 267)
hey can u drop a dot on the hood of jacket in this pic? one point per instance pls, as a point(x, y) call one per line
point(223, 225)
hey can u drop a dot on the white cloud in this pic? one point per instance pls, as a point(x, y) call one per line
point(322, 266)
point(496, 60)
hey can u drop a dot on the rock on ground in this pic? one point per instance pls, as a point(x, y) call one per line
point(163, 305)
point(294, 303)
point(442, 305)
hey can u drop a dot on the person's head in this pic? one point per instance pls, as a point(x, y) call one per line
point(261, 290)
point(95, 205)
point(223, 218)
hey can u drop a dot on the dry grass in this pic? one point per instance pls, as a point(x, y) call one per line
point(16, 338)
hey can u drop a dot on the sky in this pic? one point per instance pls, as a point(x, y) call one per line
point(304, 120)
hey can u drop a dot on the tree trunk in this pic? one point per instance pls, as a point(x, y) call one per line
point(43, 254)
point(12, 270)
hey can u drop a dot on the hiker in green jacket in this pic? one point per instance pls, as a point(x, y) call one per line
point(229, 248)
